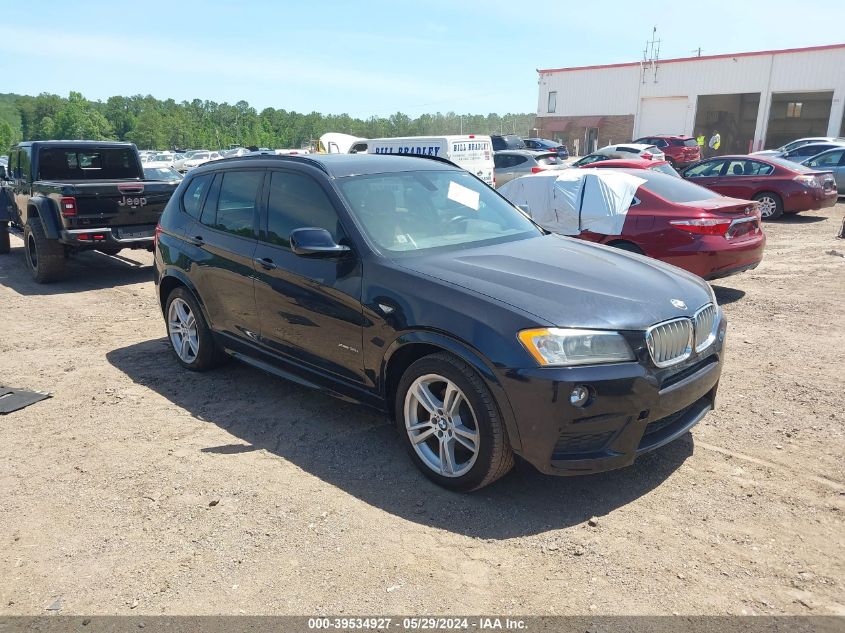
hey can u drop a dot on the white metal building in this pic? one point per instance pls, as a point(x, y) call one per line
point(755, 100)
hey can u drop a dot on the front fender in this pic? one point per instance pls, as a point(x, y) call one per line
point(469, 355)
point(47, 211)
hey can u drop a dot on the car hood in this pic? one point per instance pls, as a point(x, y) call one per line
point(570, 283)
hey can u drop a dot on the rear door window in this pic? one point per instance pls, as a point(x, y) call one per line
point(236, 203)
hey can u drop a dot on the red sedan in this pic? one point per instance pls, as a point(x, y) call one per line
point(779, 186)
point(669, 219)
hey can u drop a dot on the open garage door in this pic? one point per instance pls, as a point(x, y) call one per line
point(796, 114)
point(662, 115)
point(733, 116)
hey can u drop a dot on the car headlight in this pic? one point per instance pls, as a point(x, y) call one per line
point(564, 347)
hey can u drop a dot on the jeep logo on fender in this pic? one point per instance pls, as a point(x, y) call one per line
point(132, 202)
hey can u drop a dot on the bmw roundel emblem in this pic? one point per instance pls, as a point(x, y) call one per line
point(678, 304)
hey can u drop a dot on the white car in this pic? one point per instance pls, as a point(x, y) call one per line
point(800, 142)
point(198, 159)
point(632, 150)
point(163, 159)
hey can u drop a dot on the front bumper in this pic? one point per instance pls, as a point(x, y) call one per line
point(635, 408)
point(140, 236)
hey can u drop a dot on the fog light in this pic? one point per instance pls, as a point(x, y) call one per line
point(579, 396)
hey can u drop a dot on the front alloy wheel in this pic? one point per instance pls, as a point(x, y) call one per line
point(441, 425)
point(182, 328)
point(450, 423)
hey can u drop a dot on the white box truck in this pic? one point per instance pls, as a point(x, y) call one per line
point(473, 152)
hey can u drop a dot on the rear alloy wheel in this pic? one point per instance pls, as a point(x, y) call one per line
point(771, 206)
point(450, 424)
point(190, 337)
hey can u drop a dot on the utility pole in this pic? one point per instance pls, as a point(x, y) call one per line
point(697, 51)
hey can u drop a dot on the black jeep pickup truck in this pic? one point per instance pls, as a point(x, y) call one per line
point(72, 196)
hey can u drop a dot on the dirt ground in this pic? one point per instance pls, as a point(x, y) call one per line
point(142, 488)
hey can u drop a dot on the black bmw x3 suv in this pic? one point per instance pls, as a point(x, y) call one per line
point(408, 284)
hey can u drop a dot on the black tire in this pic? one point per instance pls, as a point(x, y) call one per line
point(776, 202)
point(5, 245)
point(627, 246)
point(209, 355)
point(494, 455)
point(45, 258)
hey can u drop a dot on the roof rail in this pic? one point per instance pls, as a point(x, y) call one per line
point(282, 157)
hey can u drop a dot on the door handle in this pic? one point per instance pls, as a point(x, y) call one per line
point(265, 262)
point(197, 240)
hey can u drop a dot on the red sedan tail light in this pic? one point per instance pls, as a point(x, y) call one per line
point(646, 156)
point(705, 226)
point(808, 181)
point(537, 170)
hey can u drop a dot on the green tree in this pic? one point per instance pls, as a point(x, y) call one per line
point(7, 137)
point(78, 119)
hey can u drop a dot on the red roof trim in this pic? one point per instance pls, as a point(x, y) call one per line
point(782, 51)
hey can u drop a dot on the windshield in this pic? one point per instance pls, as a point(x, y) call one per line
point(591, 158)
point(161, 173)
point(671, 188)
point(419, 210)
point(200, 156)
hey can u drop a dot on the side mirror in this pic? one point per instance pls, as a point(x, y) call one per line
point(314, 242)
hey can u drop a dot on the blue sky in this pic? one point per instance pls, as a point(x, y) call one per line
point(370, 58)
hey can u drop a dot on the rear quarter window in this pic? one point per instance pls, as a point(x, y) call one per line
point(194, 194)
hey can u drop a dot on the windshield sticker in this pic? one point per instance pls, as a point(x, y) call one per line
point(464, 195)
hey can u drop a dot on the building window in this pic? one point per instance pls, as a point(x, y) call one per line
point(793, 110)
point(552, 101)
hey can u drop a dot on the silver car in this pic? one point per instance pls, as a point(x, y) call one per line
point(513, 163)
point(830, 160)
